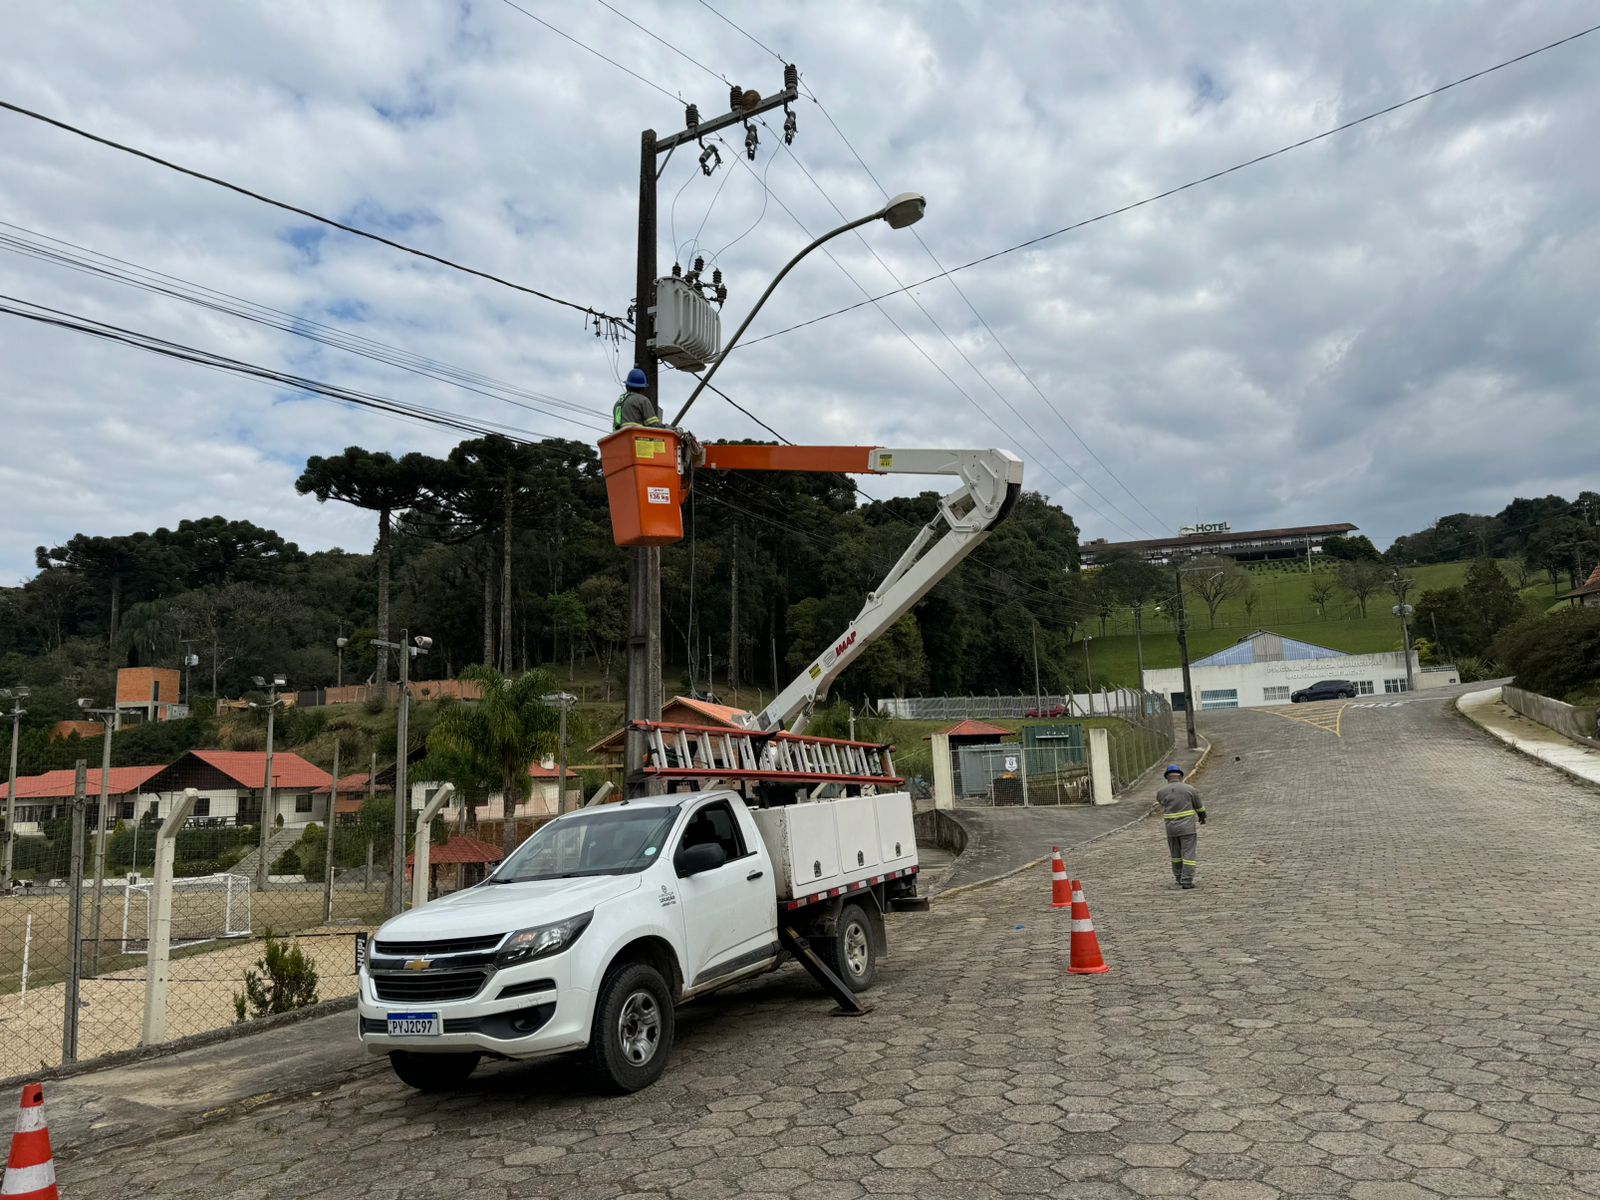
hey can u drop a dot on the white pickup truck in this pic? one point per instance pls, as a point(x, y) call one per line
point(589, 934)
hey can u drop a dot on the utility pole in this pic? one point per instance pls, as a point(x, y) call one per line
point(1088, 673)
point(16, 696)
point(1401, 588)
point(108, 718)
point(1138, 638)
point(1038, 696)
point(1183, 653)
point(327, 837)
point(563, 701)
point(267, 801)
point(644, 563)
point(402, 793)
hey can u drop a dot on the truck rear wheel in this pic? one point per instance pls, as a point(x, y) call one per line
point(633, 1023)
point(432, 1072)
point(851, 951)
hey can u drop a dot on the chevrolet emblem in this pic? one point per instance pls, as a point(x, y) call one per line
point(417, 964)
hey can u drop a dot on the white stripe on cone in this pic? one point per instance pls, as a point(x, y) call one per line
point(31, 1119)
point(20, 1181)
point(1083, 927)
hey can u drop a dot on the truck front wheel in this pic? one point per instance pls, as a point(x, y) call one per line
point(851, 951)
point(432, 1072)
point(633, 1023)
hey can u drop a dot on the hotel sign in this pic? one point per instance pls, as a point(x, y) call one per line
point(1208, 527)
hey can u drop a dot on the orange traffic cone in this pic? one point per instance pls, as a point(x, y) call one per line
point(30, 1172)
point(1086, 958)
point(1060, 885)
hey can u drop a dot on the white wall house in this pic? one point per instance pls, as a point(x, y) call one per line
point(232, 788)
point(1267, 668)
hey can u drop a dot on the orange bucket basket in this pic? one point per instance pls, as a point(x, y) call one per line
point(644, 485)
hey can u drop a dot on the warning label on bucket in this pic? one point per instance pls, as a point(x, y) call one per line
point(659, 495)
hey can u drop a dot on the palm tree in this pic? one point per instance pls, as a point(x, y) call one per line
point(502, 735)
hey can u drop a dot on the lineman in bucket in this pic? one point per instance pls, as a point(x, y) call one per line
point(634, 406)
point(1181, 807)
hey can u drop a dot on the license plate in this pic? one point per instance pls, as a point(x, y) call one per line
point(415, 1024)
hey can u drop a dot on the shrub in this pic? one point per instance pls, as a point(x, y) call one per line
point(1557, 655)
point(287, 863)
point(282, 980)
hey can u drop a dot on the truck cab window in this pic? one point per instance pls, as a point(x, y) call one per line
point(715, 825)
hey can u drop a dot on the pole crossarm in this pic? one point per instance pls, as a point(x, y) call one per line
point(736, 116)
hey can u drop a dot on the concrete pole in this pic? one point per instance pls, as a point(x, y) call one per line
point(644, 563)
point(327, 850)
point(159, 930)
point(11, 799)
point(100, 849)
point(69, 1011)
point(402, 791)
point(422, 845)
point(266, 794)
point(561, 764)
point(1183, 652)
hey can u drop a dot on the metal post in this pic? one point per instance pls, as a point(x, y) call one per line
point(158, 933)
point(1183, 653)
point(100, 850)
point(644, 563)
point(11, 798)
point(1088, 674)
point(327, 850)
point(402, 795)
point(1138, 638)
point(266, 794)
point(69, 1015)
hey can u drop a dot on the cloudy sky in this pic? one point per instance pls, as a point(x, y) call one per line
point(1382, 327)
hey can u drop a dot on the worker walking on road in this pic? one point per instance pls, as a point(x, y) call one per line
point(634, 406)
point(1181, 807)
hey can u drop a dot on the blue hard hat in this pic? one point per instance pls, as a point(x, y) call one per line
point(1173, 769)
point(638, 381)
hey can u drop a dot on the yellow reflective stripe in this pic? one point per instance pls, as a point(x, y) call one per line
point(1190, 863)
point(1188, 812)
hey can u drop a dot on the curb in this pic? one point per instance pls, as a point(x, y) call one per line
point(1510, 741)
point(1029, 866)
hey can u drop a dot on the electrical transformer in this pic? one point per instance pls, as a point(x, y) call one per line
point(688, 326)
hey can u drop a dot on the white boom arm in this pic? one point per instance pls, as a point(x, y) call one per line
point(990, 481)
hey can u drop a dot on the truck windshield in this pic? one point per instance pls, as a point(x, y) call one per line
point(616, 840)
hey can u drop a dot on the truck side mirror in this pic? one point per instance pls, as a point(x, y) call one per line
point(696, 860)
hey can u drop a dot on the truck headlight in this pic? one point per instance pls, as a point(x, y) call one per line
point(541, 941)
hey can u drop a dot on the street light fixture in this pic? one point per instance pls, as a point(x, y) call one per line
point(409, 647)
point(340, 644)
point(16, 695)
point(268, 801)
point(903, 210)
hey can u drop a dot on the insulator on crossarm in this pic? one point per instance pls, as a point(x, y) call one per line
point(791, 76)
point(691, 117)
point(735, 97)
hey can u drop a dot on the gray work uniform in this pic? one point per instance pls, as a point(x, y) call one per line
point(1180, 809)
point(634, 408)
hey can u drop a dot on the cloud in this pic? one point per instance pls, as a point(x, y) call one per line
point(1380, 328)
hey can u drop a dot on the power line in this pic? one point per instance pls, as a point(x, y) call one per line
point(307, 213)
point(954, 345)
point(1193, 183)
point(745, 32)
point(960, 291)
point(175, 287)
point(583, 46)
point(44, 315)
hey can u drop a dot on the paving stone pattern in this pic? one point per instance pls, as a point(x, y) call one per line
point(1384, 989)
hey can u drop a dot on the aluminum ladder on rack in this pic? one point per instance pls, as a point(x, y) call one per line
point(724, 752)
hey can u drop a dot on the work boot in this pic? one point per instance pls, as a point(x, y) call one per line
point(1186, 884)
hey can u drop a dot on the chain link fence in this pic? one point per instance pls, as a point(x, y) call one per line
point(77, 908)
point(1106, 703)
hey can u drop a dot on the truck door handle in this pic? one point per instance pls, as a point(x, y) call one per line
point(755, 875)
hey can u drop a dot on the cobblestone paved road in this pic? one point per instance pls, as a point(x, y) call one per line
point(1384, 989)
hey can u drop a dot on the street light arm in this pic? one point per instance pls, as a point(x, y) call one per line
point(745, 324)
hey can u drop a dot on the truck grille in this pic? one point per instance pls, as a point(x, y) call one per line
point(463, 945)
point(429, 985)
